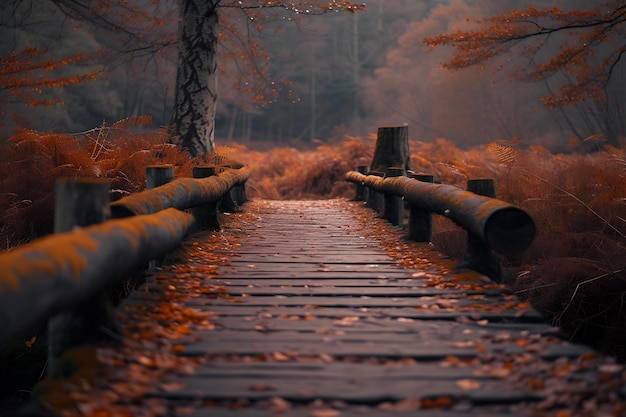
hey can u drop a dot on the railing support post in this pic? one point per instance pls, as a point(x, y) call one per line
point(375, 199)
point(393, 206)
point(158, 175)
point(421, 220)
point(78, 204)
point(238, 194)
point(478, 256)
point(206, 216)
point(361, 189)
point(227, 201)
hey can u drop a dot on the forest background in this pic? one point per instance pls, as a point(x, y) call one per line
point(345, 73)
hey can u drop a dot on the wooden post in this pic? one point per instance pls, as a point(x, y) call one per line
point(80, 203)
point(374, 198)
point(206, 216)
point(421, 220)
point(478, 256)
point(392, 149)
point(239, 194)
point(157, 175)
point(393, 205)
point(361, 189)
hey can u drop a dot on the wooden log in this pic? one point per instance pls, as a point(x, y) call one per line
point(58, 272)
point(81, 203)
point(420, 219)
point(393, 209)
point(505, 228)
point(392, 149)
point(181, 193)
point(158, 175)
point(478, 255)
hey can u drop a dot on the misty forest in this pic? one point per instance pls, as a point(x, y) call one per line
point(488, 89)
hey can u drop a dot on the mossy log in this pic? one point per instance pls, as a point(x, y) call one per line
point(505, 228)
point(181, 193)
point(56, 273)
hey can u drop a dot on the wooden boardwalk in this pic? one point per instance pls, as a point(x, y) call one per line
point(312, 317)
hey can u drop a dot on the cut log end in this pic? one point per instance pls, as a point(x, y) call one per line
point(509, 231)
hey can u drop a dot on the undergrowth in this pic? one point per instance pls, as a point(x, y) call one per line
point(573, 272)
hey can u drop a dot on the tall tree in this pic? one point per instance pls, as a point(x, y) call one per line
point(590, 46)
point(193, 119)
point(141, 30)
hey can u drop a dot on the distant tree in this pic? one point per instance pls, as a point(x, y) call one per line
point(590, 49)
point(142, 29)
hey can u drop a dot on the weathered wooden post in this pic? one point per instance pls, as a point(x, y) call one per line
point(238, 193)
point(227, 202)
point(361, 189)
point(478, 256)
point(80, 203)
point(393, 205)
point(392, 149)
point(157, 175)
point(375, 199)
point(206, 216)
point(420, 220)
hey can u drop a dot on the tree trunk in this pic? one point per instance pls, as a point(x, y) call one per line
point(193, 119)
point(392, 149)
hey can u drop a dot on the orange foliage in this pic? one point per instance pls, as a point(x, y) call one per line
point(24, 75)
point(289, 173)
point(27, 198)
point(589, 52)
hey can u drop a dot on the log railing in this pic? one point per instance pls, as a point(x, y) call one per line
point(492, 225)
point(65, 274)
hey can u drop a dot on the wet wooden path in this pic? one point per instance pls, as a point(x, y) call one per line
point(313, 317)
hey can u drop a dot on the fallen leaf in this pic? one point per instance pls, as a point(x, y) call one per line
point(438, 402)
point(29, 343)
point(260, 388)
point(172, 386)
point(325, 412)
point(279, 405)
point(468, 384)
point(280, 357)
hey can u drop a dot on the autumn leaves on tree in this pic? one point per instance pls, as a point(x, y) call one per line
point(590, 46)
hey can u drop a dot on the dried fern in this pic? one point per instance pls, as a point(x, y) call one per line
point(132, 122)
point(501, 154)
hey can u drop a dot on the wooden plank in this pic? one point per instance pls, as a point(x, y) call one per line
point(344, 410)
point(378, 325)
point(238, 310)
point(376, 282)
point(317, 258)
point(327, 301)
point(414, 293)
point(349, 345)
point(349, 390)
